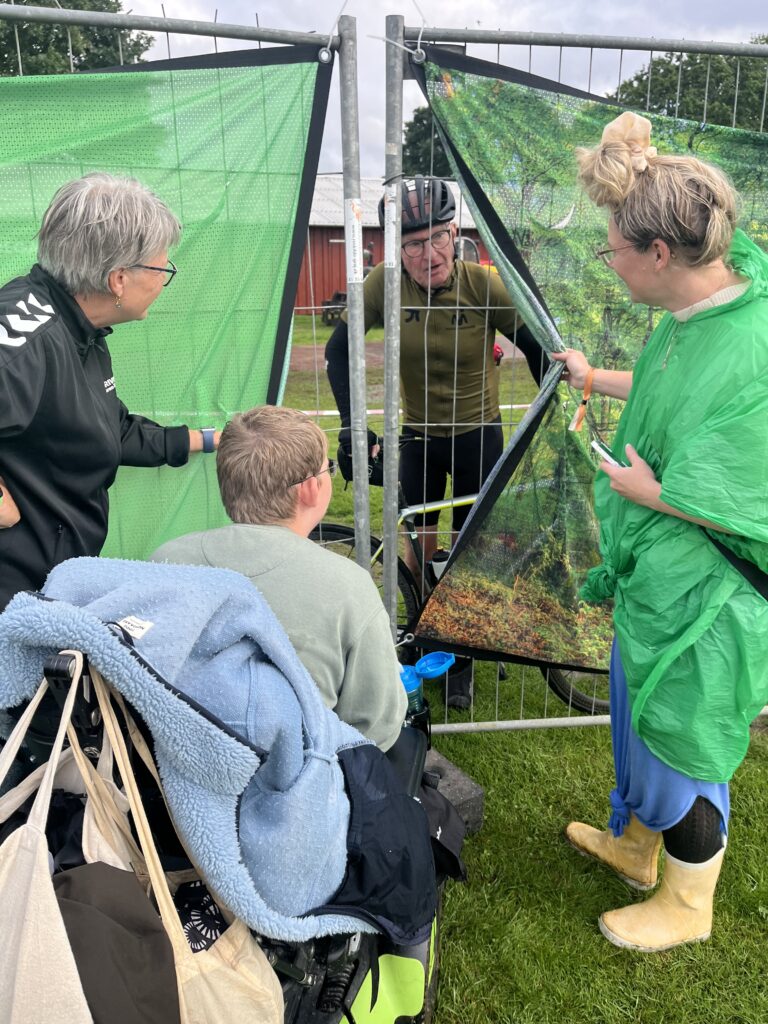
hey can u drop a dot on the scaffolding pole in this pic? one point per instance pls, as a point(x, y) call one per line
point(393, 167)
point(499, 38)
point(353, 239)
point(141, 23)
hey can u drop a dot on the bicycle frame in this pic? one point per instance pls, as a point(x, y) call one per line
point(408, 515)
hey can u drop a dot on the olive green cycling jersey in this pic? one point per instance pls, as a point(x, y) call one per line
point(448, 379)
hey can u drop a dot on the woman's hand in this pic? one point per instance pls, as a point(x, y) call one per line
point(576, 369)
point(9, 512)
point(613, 383)
point(635, 482)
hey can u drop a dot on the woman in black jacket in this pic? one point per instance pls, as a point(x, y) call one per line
point(102, 260)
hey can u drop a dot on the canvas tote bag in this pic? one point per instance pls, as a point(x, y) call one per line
point(232, 979)
point(39, 980)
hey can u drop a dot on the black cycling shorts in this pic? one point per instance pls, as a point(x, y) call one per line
point(467, 458)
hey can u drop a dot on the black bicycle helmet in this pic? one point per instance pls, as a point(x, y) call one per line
point(426, 201)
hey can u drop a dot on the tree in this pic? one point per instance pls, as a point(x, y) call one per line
point(45, 47)
point(422, 150)
point(679, 85)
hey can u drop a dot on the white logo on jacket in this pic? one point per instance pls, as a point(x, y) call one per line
point(109, 384)
point(35, 315)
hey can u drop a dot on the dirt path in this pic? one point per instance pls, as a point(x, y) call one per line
point(306, 357)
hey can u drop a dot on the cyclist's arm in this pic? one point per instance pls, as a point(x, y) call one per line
point(337, 349)
point(536, 357)
point(337, 368)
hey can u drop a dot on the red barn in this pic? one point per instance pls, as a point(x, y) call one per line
point(323, 267)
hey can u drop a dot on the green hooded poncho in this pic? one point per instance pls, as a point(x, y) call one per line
point(692, 632)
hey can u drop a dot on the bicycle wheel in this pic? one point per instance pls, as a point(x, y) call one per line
point(341, 539)
point(582, 691)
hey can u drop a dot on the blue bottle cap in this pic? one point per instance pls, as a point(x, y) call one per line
point(411, 680)
point(435, 664)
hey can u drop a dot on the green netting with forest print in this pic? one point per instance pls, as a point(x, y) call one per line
point(511, 589)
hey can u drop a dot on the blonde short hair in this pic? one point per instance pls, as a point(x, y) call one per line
point(689, 204)
point(262, 454)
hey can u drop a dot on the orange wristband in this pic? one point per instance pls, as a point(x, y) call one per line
point(578, 419)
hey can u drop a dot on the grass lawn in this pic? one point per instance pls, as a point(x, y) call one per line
point(520, 939)
point(520, 943)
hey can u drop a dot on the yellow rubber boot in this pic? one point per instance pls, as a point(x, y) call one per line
point(633, 856)
point(681, 910)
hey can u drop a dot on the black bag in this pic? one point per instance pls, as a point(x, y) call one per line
point(123, 954)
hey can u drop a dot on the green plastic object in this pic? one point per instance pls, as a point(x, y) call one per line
point(399, 994)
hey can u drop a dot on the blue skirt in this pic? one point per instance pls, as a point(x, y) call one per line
point(656, 794)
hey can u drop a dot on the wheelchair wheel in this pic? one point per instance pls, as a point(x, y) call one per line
point(581, 691)
point(341, 539)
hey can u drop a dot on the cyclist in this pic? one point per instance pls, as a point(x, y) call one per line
point(451, 311)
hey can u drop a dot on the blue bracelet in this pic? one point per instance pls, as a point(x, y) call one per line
point(208, 439)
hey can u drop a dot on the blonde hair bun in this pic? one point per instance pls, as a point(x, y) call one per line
point(689, 204)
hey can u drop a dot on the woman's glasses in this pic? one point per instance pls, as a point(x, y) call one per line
point(606, 255)
point(171, 271)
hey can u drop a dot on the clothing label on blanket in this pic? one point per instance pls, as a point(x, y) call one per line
point(135, 627)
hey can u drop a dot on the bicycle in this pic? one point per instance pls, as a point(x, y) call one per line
point(581, 691)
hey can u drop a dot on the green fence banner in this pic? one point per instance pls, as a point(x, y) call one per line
point(230, 142)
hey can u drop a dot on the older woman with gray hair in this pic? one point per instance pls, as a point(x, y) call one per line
point(102, 260)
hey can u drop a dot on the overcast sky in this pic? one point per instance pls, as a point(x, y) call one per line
point(673, 19)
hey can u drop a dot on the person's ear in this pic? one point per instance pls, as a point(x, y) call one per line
point(308, 492)
point(662, 254)
point(116, 282)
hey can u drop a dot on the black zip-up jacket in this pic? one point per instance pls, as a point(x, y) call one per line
point(63, 431)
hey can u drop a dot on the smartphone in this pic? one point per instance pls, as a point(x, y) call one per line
point(605, 453)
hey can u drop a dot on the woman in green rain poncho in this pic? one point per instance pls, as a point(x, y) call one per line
point(684, 528)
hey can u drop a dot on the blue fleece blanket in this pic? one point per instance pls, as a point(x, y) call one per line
point(201, 657)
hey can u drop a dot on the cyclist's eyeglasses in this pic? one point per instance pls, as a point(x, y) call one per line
point(438, 240)
point(172, 271)
point(606, 255)
point(330, 469)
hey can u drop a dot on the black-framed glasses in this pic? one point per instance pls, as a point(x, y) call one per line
point(172, 271)
point(438, 240)
point(330, 469)
point(606, 255)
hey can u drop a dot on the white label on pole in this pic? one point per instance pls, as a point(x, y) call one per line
point(390, 226)
point(353, 232)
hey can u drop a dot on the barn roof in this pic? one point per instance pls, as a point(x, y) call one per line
point(328, 203)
